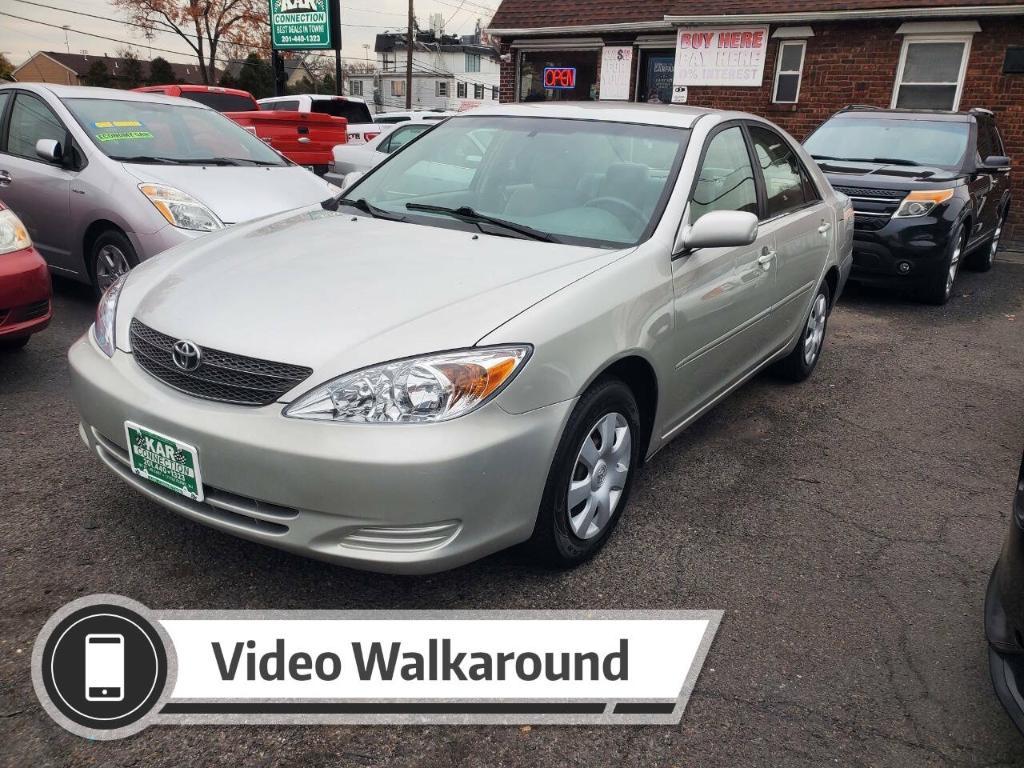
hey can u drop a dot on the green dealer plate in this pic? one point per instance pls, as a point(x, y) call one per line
point(164, 461)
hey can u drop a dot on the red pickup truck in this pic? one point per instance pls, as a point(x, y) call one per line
point(304, 138)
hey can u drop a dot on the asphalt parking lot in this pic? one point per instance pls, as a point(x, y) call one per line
point(847, 526)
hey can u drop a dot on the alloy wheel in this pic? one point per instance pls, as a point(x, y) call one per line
point(814, 335)
point(995, 241)
point(599, 476)
point(111, 263)
point(954, 266)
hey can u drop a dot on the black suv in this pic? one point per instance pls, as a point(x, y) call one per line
point(931, 191)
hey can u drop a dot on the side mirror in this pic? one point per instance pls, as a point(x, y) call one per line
point(718, 229)
point(997, 163)
point(350, 179)
point(50, 151)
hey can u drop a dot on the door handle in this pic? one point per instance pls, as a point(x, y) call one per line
point(766, 259)
point(5, 179)
point(825, 227)
point(304, 140)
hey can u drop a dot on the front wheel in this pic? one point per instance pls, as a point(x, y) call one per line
point(110, 257)
point(591, 476)
point(940, 289)
point(801, 362)
point(983, 259)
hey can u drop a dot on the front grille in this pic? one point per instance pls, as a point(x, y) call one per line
point(873, 207)
point(221, 376)
point(895, 194)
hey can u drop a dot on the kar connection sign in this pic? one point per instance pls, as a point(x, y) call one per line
point(300, 24)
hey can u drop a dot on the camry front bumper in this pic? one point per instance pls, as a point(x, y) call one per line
point(414, 498)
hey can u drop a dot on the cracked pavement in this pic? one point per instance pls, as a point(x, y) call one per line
point(847, 526)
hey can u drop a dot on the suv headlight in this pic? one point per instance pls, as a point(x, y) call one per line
point(13, 235)
point(106, 315)
point(921, 202)
point(421, 389)
point(181, 209)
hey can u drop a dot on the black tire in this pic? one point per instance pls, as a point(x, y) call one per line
point(12, 345)
point(939, 289)
point(984, 257)
point(109, 239)
point(554, 542)
point(798, 365)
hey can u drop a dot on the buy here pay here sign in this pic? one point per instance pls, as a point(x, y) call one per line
point(729, 56)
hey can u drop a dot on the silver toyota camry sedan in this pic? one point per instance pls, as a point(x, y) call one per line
point(477, 344)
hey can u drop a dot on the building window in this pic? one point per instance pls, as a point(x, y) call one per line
point(931, 73)
point(355, 87)
point(558, 75)
point(388, 62)
point(789, 72)
point(441, 88)
point(398, 87)
point(494, 92)
point(472, 63)
point(478, 92)
point(460, 90)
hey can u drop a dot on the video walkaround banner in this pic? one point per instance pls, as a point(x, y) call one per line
point(105, 667)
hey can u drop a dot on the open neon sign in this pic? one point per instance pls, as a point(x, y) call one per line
point(560, 78)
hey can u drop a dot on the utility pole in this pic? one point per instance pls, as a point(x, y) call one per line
point(409, 45)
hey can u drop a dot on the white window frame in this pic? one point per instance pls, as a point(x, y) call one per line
point(461, 90)
point(355, 87)
point(398, 89)
point(441, 89)
point(909, 40)
point(799, 72)
point(479, 88)
point(472, 62)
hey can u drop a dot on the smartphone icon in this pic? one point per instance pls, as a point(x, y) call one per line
point(104, 667)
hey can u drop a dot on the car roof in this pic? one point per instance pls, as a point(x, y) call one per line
point(906, 114)
point(111, 94)
point(669, 115)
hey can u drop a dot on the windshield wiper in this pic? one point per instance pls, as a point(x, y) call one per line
point(465, 213)
point(148, 159)
point(825, 157)
point(362, 205)
point(880, 160)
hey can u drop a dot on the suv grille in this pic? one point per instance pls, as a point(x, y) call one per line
point(873, 207)
point(220, 376)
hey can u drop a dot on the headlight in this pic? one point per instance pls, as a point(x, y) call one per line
point(922, 201)
point(106, 314)
point(13, 235)
point(430, 388)
point(181, 210)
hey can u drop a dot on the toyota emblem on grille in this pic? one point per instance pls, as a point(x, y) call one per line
point(186, 355)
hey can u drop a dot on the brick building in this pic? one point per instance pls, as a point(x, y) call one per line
point(795, 63)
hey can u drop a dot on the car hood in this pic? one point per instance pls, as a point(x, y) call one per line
point(337, 292)
point(238, 194)
point(846, 174)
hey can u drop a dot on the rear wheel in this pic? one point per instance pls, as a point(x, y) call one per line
point(590, 478)
point(801, 362)
point(939, 290)
point(983, 259)
point(110, 257)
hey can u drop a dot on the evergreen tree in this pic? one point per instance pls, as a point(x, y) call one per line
point(160, 72)
point(256, 77)
point(98, 75)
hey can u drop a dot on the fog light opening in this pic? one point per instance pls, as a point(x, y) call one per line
point(904, 267)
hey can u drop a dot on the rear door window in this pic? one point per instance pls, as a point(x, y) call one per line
point(353, 111)
point(222, 102)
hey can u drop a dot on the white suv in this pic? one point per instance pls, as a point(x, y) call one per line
point(361, 127)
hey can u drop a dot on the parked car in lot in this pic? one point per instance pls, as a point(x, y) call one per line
point(414, 116)
point(501, 342)
point(1004, 614)
point(931, 192)
point(349, 158)
point(104, 179)
point(214, 97)
point(361, 125)
point(24, 284)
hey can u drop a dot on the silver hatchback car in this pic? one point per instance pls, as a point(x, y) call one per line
point(104, 179)
point(464, 354)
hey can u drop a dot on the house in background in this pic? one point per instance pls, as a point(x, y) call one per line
point(449, 72)
point(294, 67)
point(71, 68)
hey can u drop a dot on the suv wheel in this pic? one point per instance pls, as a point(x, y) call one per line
point(591, 476)
point(111, 256)
point(982, 260)
point(940, 289)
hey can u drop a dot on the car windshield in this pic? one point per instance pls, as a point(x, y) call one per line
point(154, 132)
point(909, 142)
point(354, 111)
point(583, 182)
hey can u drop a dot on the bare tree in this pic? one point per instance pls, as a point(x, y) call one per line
point(204, 24)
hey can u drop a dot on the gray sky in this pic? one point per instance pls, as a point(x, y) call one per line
point(364, 19)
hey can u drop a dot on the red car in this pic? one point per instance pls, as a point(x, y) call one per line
point(24, 284)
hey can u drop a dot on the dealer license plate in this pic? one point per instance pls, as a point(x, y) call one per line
point(164, 461)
